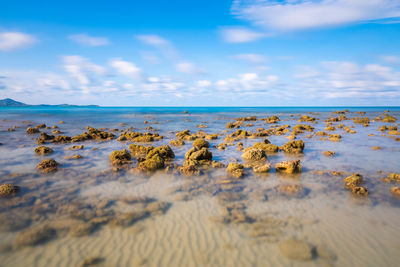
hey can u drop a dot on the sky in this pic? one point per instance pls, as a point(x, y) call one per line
point(201, 53)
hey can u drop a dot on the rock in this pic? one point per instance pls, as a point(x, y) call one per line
point(139, 150)
point(177, 142)
point(82, 229)
point(266, 146)
point(236, 170)
point(376, 148)
point(119, 158)
point(262, 168)
point(306, 118)
point(43, 150)
point(254, 154)
point(321, 133)
point(152, 163)
point(198, 154)
point(35, 235)
point(31, 130)
point(353, 180)
point(359, 190)
point(329, 153)
point(200, 143)
point(296, 250)
point(189, 170)
point(272, 119)
point(288, 166)
point(76, 147)
point(77, 156)
point(211, 137)
point(7, 190)
point(294, 147)
point(389, 119)
point(395, 191)
point(330, 128)
point(325, 253)
point(335, 137)
point(185, 135)
point(163, 151)
point(62, 139)
point(47, 166)
point(362, 120)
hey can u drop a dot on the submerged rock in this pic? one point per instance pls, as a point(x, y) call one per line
point(288, 166)
point(335, 137)
point(262, 168)
point(7, 190)
point(76, 147)
point(359, 190)
point(47, 166)
point(43, 150)
point(395, 191)
point(296, 250)
point(291, 190)
point(35, 235)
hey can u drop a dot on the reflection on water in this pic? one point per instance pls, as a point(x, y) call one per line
point(90, 211)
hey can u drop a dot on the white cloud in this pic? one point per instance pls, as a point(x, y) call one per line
point(82, 69)
point(247, 82)
point(10, 41)
point(162, 44)
point(127, 69)
point(390, 59)
point(87, 40)
point(349, 79)
point(240, 35)
point(188, 68)
point(204, 83)
point(251, 58)
point(287, 15)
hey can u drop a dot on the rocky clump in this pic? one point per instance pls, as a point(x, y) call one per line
point(335, 137)
point(362, 120)
point(254, 154)
point(7, 190)
point(139, 151)
point(139, 137)
point(31, 130)
point(395, 191)
point(359, 190)
point(120, 158)
point(43, 150)
point(200, 143)
point(266, 146)
point(236, 124)
point(44, 137)
point(185, 135)
point(76, 147)
point(62, 139)
point(272, 119)
point(236, 170)
point(47, 166)
point(93, 134)
point(296, 250)
point(293, 147)
point(392, 178)
point(288, 166)
point(328, 153)
point(73, 157)
point(177, 142)
point(306, 118)
point(389, 119)
point(353, 180)
point(262, 168)
point(156, 158)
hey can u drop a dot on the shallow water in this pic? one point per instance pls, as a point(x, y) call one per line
point(179, 220)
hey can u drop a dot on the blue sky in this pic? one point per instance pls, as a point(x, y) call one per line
point(201, 53)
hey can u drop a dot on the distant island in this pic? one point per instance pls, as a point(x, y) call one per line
point(8, 102)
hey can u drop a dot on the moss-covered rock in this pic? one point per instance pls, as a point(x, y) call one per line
point(293, 147)
point(353, 180)
point(163, 151)
point(236, 170)
point(335, 137)
point(7, 190)
point(267, 147)
point(43, 150)
point(262, 168)
point(152, 163)
point(291, 190)
point(328, 153)
point(31, 130)
point(272, 119)
point(119, 158)
point(177, 142)
point(254, 154)
point(185, 135)
point(359, 190)
point(44, 137)
point(389, 119)
point(288, 166)
point(47, 166)
point(306, 118)
point(395, 191)
point(139, 150)
point(200, 143)
point(62, 139)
